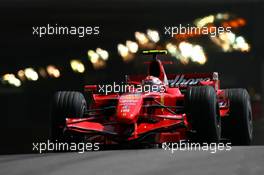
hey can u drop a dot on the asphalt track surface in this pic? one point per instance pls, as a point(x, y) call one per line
point(240, 160)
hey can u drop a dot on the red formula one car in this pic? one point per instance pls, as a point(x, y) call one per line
point(154, 108)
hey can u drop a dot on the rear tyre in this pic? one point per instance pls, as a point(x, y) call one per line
point(66, 104)
point(203, 113)
point(238, 125)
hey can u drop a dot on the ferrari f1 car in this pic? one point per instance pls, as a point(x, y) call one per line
point(179, 107)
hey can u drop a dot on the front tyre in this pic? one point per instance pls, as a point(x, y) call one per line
point(66, 104)
point(238, 125)
point(203, 113)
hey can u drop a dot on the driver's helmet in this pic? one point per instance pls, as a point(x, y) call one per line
point(151, 80)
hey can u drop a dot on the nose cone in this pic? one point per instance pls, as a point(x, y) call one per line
point(129, 106)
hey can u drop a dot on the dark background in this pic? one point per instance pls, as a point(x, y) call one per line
point(25, 110)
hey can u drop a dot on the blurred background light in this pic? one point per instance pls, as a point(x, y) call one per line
point(141, 38)
point(201, 22)
point(186, 49)
point(122, 50)
point(31, 74)
point(132, 46)
point(190, 52)
point(198, 55)
point(99, 64)
point(228, 41)
point(153, 35)
point(53, 71)
point(241, 44)
point(12, 80)
point(77, 66)
point(93, 56)
point(102, 53)
point(21, 75)
point(98, 57)
point(172, 49)
point(222, 16)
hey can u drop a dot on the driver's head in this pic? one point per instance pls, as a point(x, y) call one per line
point(151, 80)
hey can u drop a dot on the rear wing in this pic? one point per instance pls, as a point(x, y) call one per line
point(184, 80)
